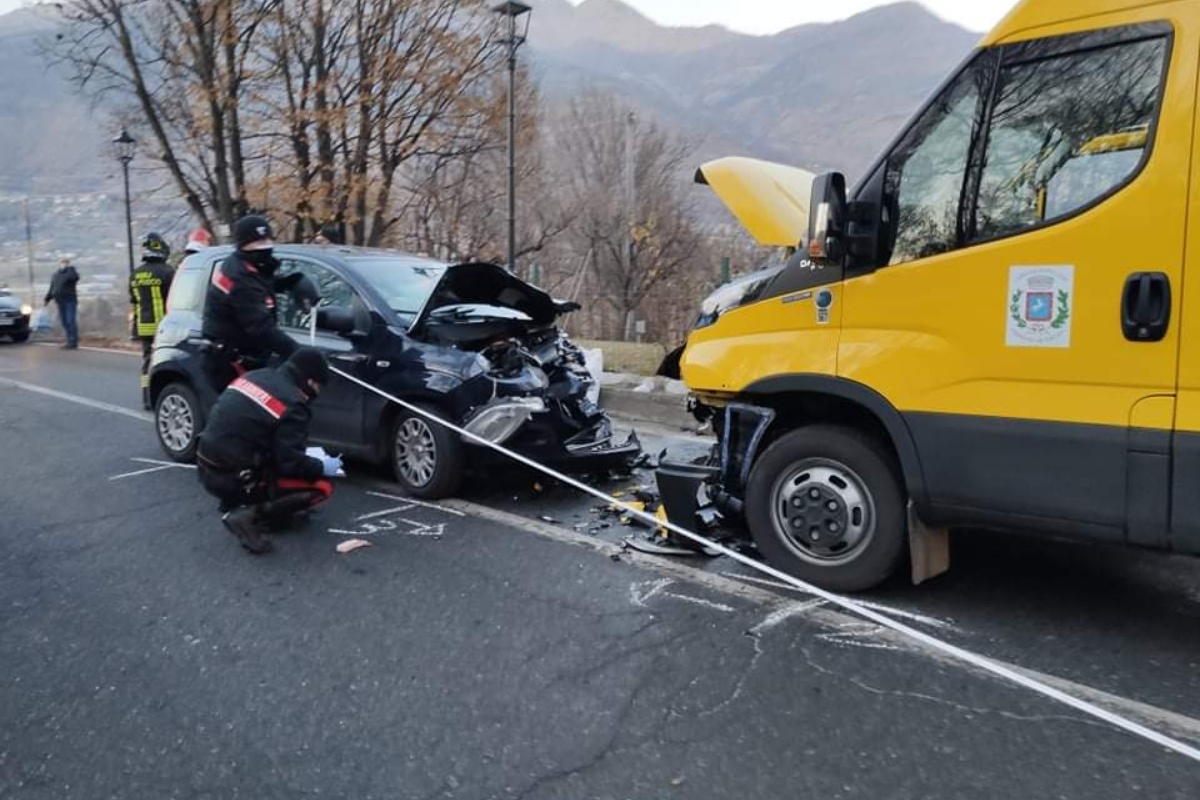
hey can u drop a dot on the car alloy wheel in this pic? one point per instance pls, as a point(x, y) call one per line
point(416, 452)
point(176, 423)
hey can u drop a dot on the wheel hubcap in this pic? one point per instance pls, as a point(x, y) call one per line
point(416, 455)
point(176, 424)
point(823, 512)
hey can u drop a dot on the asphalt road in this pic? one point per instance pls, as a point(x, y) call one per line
point(473, 654)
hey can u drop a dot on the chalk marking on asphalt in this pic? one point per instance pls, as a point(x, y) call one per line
point(642, 591)
point(1029, 679)
point(420, 503)
point(159, 466)
point(171, 464)
point(932, 622)
point(783, 614)
point(816, 611)
point(387, 512)
point(699, 601)
point(146, 471)
point(74, 398)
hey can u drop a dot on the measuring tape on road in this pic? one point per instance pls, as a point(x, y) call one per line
point(845, 603)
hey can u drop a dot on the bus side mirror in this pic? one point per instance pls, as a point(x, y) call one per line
point(827, 218)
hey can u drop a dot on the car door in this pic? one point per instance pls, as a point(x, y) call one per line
point(338, 412)
point(993, 312)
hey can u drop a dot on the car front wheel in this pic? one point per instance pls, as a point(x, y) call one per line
point(428, 458)
point(178, 421)
point(824, 503)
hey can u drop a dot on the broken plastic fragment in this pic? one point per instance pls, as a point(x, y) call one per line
point(350, 545)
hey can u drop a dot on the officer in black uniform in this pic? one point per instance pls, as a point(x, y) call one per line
point(149, 286)
point(252, 453)
point(239, 314)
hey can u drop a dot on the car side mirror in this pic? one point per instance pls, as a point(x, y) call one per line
point(827, 218)
point(337, 320)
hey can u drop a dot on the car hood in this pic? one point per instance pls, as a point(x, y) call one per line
point(10, 302)
point(476, 291)
point(771, 201)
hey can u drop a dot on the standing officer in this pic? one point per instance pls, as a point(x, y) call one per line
point(239, 315)
point(252, 453)
point(149, 286)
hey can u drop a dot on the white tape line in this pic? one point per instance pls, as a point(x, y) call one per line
point(957, 653)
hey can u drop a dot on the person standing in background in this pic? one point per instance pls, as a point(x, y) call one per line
point(149, 286)
point(62, 292)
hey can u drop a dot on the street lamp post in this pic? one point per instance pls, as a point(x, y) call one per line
point(126, 147)
point(513, 9)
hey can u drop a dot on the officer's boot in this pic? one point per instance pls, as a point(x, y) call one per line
point(243, 523)
point(281, 512)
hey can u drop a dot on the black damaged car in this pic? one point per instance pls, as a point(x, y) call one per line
point(470, 342)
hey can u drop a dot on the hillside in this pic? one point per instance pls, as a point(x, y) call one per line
point(820, 96)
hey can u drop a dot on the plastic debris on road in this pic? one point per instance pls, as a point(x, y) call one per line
point(350, 545)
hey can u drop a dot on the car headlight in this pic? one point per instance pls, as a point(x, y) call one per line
point(26, 310)
point(498, 421)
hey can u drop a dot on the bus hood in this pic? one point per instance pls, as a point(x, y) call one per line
point(770, 200)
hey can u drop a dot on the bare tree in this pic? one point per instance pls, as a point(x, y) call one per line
point(180, 68)
point(457, 205)
point(626, 175)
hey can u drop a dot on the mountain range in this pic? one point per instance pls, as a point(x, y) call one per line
point(820, 96)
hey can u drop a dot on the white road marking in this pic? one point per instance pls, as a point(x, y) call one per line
point(90, 349)
point(78, 400)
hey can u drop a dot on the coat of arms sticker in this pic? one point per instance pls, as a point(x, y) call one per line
point(1041, 305)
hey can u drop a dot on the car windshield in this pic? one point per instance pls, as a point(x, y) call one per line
point(404, 282)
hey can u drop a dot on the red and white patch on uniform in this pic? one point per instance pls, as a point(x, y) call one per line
point(222, 281)
point(261, 397)
point(270, 302)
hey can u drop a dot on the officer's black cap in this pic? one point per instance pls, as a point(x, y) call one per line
point(309, 364)
point(251, 230)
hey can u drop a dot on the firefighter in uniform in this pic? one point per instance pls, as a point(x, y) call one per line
point(149, 286)
point(252, 452)
point(239, 316)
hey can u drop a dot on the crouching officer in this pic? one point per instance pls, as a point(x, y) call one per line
point(252, 452)
point(239, 316)
point(149, 286)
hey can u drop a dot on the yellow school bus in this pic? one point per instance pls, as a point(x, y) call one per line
point(992, 329)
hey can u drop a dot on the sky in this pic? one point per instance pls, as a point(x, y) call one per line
point(770, 16)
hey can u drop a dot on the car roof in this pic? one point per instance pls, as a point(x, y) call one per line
point(339, 254)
